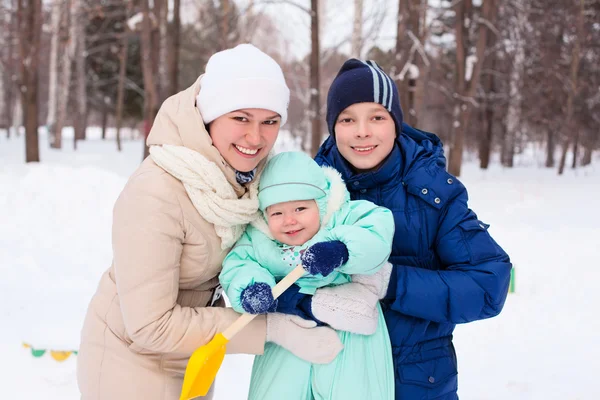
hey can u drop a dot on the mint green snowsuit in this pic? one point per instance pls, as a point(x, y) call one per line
point(364, 369)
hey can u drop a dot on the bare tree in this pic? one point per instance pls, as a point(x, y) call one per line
point(174, 48)
point(57, 11)
point(315, 93)
point(357, 28)
point(9, 65)
point(573, 87)
point(411, 66)
point(163, 49)
point(488, 112)
point(517, 50)
point(122, 71)
point(30, 27)
point(80, 122)
point(67, 62)
point(150, 91)
point(468, 70)
point(225, 28)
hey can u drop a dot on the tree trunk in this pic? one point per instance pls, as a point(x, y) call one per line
point(163, 52)
point(121, 85)
point(11, 89)
point(575, 149)
point(30, 28)
point(573, 88)
point(150, 94)
point(466, 86)
point(67, 67)
point(315, 57)
point(458, 131)
point(174, 49)
point(487, 136)
point(587, 156)
point(9, 116)
point(18, 121)
point(550, 149)
point(104, 121)
point(225, 28)
point(357, 29)
point(57, 11)
point(513, 116)
point(485, 145)
point(80, 122)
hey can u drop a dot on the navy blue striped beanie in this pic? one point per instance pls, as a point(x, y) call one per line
point(362, 82)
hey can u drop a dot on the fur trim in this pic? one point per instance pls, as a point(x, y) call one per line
point(262, 226)
point(338, 194)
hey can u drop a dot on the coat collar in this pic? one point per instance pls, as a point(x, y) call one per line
point(417, 162)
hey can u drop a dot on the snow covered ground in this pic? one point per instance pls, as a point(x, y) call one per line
point(55, 243)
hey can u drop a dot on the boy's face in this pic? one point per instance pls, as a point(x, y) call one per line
point(293, 222)
point(365, 134)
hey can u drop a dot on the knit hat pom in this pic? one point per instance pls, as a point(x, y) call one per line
point(242, 77)
point(362, 82)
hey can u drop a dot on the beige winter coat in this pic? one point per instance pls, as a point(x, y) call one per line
point(151, 309)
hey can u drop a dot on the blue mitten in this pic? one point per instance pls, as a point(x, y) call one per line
point(257, 298)
point(295, 303)
point(323, 257)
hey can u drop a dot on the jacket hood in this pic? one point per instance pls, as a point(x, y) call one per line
point(179, 123)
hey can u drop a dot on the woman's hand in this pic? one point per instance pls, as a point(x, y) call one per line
point(301, 337)
point(324, 257)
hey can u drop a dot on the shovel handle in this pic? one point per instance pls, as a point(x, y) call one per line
point(281, 287)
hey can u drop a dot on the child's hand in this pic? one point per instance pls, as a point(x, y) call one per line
point(257, 298)
point(323, 257)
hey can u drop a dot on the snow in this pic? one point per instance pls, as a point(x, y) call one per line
point(55, 244)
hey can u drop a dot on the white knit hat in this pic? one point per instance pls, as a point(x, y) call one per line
point(242, 77)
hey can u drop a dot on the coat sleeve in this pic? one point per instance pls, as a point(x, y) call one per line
point(473, 283)
point(240, 269)
point(367, 231)
point(148, 237)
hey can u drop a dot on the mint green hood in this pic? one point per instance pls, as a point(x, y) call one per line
point(293, 176)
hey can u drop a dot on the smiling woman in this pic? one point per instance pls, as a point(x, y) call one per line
point(173, 224)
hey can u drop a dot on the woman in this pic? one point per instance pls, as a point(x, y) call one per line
point(447, 269)
point(173, 224)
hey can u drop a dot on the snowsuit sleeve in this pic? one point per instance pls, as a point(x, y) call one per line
point(241, 269)
point(367, 231)
point(472, 285)
point(148, 238)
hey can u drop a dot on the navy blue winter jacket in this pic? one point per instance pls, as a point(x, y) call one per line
point(447, 268)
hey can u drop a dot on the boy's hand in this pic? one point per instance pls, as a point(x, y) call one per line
point(257, 298)
point(323, 257)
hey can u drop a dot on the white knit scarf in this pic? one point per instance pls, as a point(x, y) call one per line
point(210, 192)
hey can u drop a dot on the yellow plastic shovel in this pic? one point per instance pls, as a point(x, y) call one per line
point(206, 360)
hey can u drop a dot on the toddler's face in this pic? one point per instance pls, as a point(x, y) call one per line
point(293, 222)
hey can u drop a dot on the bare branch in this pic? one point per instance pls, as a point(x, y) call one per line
point(419, 47)
point(490, 26)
